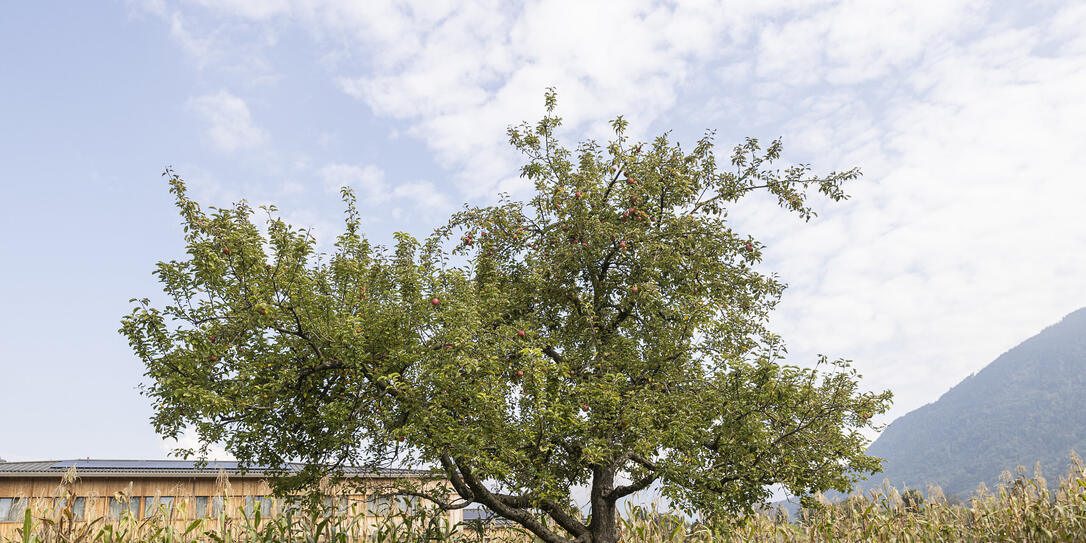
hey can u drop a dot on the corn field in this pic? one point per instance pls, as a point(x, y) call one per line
point(1021, 509)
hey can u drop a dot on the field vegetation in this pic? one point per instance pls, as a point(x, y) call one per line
point(1021, 508)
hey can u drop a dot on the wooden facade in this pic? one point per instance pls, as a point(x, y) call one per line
point(181, 491)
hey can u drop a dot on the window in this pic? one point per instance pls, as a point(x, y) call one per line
point(164, 504)
point(5, 508)
point(79, 507)
point(406, 503)
point(158, 505)
point(290, 506)
point(121, 507)
point(253, 504)
point(381, 504)
point(201, 507)
point(333, 505)
point(217, 506)
point(18, 509)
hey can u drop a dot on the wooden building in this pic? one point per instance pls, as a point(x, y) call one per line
point(182, 492)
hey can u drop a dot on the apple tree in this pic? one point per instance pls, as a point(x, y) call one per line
point(609, 332)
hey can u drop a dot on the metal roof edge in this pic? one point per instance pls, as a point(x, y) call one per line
point(183, 469)
point(193, 475)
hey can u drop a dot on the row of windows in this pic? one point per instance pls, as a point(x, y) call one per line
point(14, 509)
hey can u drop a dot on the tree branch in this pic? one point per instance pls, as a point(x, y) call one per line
point(442, 504)
point(640, 484)
point(553, 354)
point(498, 504)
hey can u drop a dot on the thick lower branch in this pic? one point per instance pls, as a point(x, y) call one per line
point(620, 492)
point(499, 505)
point(640, 484)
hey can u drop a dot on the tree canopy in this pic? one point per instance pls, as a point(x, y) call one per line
point(610, 332)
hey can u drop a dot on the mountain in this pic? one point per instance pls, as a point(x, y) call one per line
point(1028, 405)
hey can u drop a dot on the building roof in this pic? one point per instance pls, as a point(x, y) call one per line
point(172, 468)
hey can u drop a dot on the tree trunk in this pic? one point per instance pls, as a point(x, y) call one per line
point(603, 528)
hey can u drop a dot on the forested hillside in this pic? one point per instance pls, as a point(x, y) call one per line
point(1028, 405)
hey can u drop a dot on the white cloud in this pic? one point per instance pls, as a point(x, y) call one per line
point(201, 48)
point(424, 194)
point(372, 189)
point(230, 125)
point(367, 181)
point(857, 40)
point(189, 440)
point(964, 238)
point(465, 79)
point(255, 9)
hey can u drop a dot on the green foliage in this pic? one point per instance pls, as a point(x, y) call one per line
point(610, 331)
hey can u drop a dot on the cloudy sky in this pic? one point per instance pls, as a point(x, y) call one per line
point(965, 237)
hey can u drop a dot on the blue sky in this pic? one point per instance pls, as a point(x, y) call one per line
point(965, 237)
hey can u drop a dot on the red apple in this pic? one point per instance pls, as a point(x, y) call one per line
point(214, 358)
point(520, 333)
point(622, 244)
point(750, 247)
point(435, 301)
point(225, 251)
point(584, 243)
point(358, 331)
point(520, 373)
point(212, 339)
point(448, 347)
point(578, 194)
point(262, 311)
point(635, 289)
point(584, 407)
